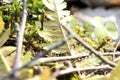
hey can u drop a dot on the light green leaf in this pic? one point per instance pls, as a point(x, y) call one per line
point(49, 4)
point(115, 75)
point(2, 68)
point(63, 13)
point(61, 6)
point(7, 50)
point(89, 62)
point(11, 59)
point(51, 35)
point(52, 4)
point(112, 30)
point(51, 15)
point(4, 37)
point(61, 49)
point(99, 20)
point(27, 57)
point(100, 33)
point(4, 51)
point(51, 25)
point(88, 27)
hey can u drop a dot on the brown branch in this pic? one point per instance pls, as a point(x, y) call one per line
point(87, 46)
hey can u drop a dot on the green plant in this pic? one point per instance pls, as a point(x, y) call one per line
point(42, 56)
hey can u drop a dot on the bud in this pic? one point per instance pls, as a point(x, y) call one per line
point(17, 27)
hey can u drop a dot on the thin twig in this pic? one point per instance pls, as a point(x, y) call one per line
point(75, 36)
point(54, 59)
point(70, 70)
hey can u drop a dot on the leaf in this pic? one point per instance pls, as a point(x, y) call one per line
point(2, 69)
point(71, 19)
point(7, 50)
point(11, 59)
point(62, 14)
point(25, 73)
point(4, 37)
point(100, 33)
point(61, 6)
point(1, 25)
point(51, 25)
point(51, 15)
point(45, 73)
point(4, 51)
point(49, 4)
point(88, 27)
point(99, 20)
point(61, 49)
point(55, 4)
point(27, 57)
point(37, 4)
point(112, 30)
point(4, 60)
point(89, 62)
point(115, 75)
point(52, 31)
point(50, 35)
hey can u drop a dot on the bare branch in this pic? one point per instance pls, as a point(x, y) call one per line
point(70, 70)
point(82, 55)
point(20, 34)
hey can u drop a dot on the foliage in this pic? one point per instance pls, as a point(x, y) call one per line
point(43, 28)
point(115, 75)
point(109, 29)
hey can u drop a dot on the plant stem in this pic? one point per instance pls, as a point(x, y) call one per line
point(20, 34)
